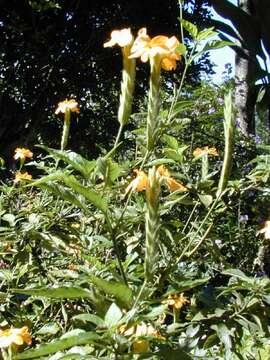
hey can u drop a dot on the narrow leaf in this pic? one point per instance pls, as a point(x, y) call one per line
point(58, 345)
point(57, 292)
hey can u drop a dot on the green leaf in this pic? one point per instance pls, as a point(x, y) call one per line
point(238, 274)
point(109, 169)
point(217, 44)
point(63, 193)
point(171, 141)
point(181, 49)
point(206, 199)
point(224, 334)
point(191, 28)
point(94, 319)
point(57, 292)
point(190, 284)
point(119, 290)
point(50, 328)
point(206, 33)
point(58, 345)
point(113, 315)
point(87, 193)
point(79, 163)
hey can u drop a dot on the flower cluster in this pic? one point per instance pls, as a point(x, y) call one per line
point(22, 176)
point(141, 345)
point(176, 301)
point(22, 154)
point(160, 46)
point(14, 336)
point(140, 182)
point(67, 105)
point(205, 151)
point(120, 37)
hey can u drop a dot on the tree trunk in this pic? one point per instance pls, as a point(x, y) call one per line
point(245, 93)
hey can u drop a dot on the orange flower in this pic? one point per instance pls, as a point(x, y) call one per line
point(19, 176)
point(163, 171)
point(67, 105)
point(172, 184)
point(139, 183)
point(176, 301)
point(146, 48)
point(12, 336)
point(22, 154)
point(140, 330)
point(206, 150)
point(120, 37)
point(266, 230)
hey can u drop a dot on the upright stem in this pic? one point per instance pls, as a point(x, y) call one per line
point(153, 102)
point(127, 90)
point(205, 166)
point(66, 128)
point(228, 133)
point(152, 224)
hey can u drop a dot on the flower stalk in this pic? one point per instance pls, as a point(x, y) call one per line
point(66, 127)
point(152, 224)
point(153, 102)
point(229, 139)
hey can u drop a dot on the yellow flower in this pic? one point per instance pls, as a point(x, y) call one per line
point(22, 153)
point(19, 176)
point(120, 37)
point(12, 336)
point(266, 230)
point(67, 105)
point(139, 183)
point(206, 150)
point(176, 301)
point(146, 48)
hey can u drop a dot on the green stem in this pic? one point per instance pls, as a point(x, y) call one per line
point(116, 143)
point(116, 249)
point(66, 128)
point(153, 102)
point(176, 97)
point(229, 135)
point(205, 166)
point(152, 225)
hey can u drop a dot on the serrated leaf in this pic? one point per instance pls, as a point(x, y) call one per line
point(58, 345)
point(79, 163)
point(119, 290)
point(60, 292)
point(113, 315)
point(190, 28)
point(217, 44)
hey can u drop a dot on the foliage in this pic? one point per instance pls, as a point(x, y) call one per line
point(101, 264)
